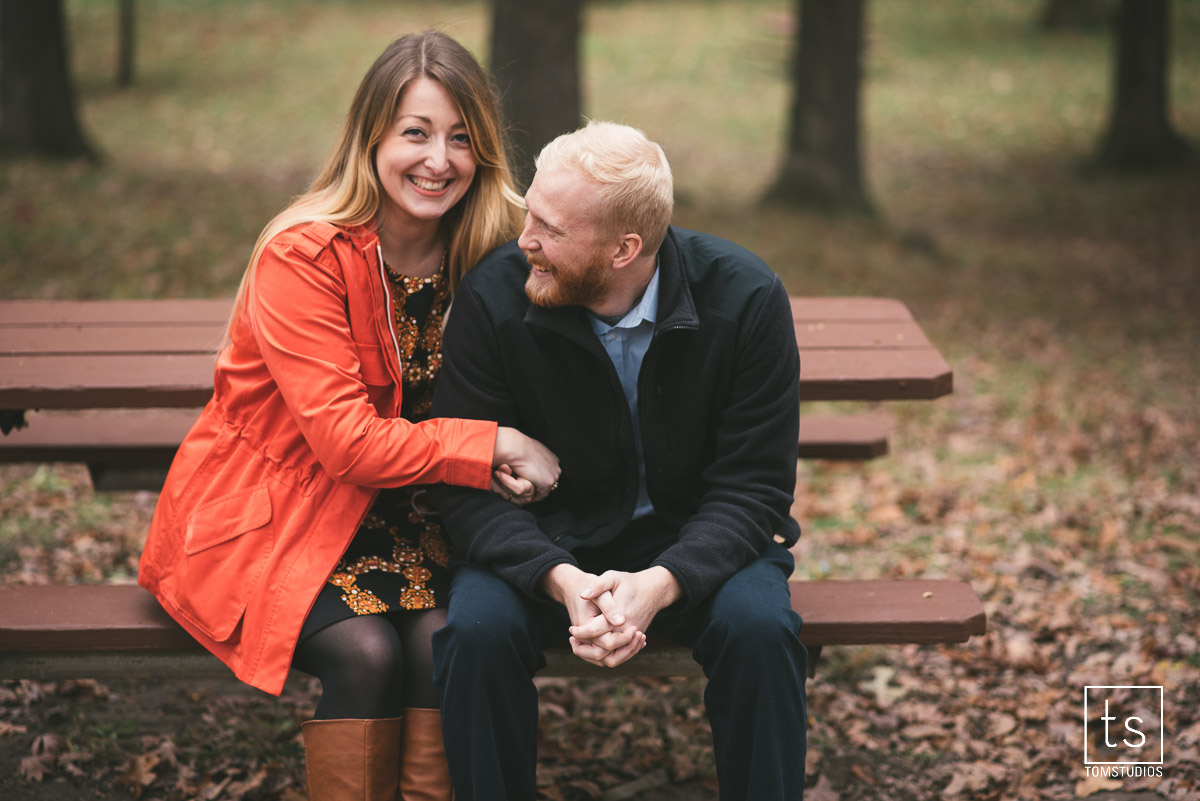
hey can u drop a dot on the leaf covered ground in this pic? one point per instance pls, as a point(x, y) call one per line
point(1077, 526)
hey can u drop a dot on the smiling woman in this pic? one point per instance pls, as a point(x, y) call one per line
point(425, 165)
point(291, 530)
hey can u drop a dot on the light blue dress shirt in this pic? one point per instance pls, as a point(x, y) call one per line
point(626, 343)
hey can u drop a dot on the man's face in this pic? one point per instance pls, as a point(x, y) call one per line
point(562, 241)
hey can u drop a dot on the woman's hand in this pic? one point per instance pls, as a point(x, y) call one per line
point(512, 488)
point(522, 463)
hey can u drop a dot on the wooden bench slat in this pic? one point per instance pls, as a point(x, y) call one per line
point(106, 381)
point(104, 434)
point(16, 313)
point(112, 339)
point(847, 437)
point(39, 621)
point(871, 375)
point(848, 308)
point(839, 335)
point(81, 436)
point(132, 449)
point(99, 381)
point(851, 349)
point(181, 311)
point(205, 338)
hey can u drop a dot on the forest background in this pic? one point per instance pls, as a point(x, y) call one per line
point(1061, 479)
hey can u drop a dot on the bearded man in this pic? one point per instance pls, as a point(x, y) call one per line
point(661, 366)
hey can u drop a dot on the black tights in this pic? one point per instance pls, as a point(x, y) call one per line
point(373, 666)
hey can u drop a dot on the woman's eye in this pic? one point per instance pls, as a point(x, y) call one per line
point(461, 139)
point(414, 132)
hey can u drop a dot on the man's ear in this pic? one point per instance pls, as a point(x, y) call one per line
point(629, 247)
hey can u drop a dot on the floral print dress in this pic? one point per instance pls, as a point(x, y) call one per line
point(399, 557)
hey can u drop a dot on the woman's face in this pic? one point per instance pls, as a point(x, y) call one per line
point(425, 161)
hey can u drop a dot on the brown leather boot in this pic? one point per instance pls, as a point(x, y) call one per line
point(424, 775)
point(352, 760)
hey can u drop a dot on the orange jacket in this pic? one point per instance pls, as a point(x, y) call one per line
point(303, 428)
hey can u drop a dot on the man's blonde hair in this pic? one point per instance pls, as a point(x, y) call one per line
point(636, 192)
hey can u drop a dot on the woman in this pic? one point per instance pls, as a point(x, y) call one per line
point(291, 529)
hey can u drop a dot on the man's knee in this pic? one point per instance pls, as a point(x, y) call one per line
point(746, 625)
point(752, 634)
point(487, 616)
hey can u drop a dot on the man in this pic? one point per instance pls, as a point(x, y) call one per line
point(660, 365)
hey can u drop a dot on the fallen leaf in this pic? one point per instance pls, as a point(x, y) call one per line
point(138, 773)
point(1001, 724)
point(34, 768)
point(822, 791)
point(880, 689)
point(1091, 784)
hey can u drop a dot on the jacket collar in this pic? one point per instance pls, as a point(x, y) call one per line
point(676, 308)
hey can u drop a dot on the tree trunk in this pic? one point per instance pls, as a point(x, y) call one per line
point(1139, 132)
point(535, 64)
point(126, 41)
point(37, 100)
point(823, 165)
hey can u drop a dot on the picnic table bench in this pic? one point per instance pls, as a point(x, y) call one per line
point(116, 384)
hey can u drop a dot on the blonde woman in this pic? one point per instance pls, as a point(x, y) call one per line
point(292, 529)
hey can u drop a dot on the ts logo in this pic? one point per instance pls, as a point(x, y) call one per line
point(1123, 725)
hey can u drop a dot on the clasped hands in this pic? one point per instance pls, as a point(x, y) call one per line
point(523, 469)
point(610, 613)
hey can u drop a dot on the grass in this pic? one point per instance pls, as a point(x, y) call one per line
point(1062, 477)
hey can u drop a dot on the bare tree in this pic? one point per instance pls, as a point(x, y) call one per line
point(535, 64)
point(37, 99)
point(1139, 134)
point(126, 41)
point(823, 165)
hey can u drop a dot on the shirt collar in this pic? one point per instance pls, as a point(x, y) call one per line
point(646, 310)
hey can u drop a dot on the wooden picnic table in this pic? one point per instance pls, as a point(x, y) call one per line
point(159, 353)
point(120, 382)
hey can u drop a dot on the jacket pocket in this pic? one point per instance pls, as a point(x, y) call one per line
point(372, 365)
point(227, 546)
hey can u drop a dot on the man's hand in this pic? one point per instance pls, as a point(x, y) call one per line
point(615, 640)
point(636, 598)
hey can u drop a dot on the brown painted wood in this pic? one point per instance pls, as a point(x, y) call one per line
point(105, 381)
point(884, 335)
point(71, 340)
point(848, 308)
point(206, 337)
point(158, 353)
point(79, 436)
point(97, 381)
point(920, 374)
point(827, 436)
point(132, 449)
point(43, 313)
point(124, 617)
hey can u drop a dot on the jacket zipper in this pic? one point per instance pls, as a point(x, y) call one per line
point(389, 310)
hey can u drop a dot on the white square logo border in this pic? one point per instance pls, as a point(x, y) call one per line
point(1161, 722)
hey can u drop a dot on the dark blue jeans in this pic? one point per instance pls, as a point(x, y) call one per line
point(745, 636)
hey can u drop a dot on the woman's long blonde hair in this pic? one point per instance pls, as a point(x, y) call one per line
point(347, 191)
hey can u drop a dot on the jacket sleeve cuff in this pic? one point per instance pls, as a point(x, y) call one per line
point(692, 595)
point(472, 464)
point(534, 588)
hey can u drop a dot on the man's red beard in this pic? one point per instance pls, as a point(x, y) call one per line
point(582, 286)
